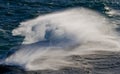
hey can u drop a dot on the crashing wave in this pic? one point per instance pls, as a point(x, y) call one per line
point(50, 39)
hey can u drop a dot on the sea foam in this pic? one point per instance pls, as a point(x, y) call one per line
point(51, 38)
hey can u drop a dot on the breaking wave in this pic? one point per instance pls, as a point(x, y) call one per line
point(50, 39)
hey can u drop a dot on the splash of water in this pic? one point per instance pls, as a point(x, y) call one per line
point(112, 12)
point(51, 38)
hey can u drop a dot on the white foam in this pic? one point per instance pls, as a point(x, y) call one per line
point(112, 12)
point(50, 38)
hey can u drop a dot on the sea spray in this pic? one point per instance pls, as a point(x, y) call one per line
point(51, 38)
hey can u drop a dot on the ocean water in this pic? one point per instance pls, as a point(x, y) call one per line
point(14, 12)
point(41, 34)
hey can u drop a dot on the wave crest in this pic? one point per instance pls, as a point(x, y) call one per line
point(51, 38)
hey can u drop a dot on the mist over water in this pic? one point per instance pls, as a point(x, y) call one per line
point(51, 38)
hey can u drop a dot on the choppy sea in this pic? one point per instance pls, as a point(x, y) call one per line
point(13, 12)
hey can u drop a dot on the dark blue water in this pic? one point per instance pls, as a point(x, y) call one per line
point(12, 12)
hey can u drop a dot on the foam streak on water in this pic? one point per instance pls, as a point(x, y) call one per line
point(50, 38)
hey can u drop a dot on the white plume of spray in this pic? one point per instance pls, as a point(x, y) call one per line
point(50, 38)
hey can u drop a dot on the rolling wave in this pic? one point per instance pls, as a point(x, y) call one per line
point(51, 38)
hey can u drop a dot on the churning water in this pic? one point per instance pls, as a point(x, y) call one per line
point(69, 28)
point(51, 38)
